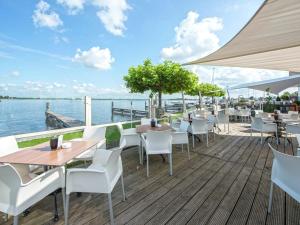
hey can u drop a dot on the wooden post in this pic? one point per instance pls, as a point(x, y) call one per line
point(47, 106)
point(112, 111)
point(88, 110)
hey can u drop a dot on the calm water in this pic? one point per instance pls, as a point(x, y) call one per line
point(25, 116)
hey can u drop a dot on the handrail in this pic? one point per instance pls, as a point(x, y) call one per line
point(49, 133)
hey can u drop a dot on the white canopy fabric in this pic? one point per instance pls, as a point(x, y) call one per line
point(275, 85)
point(270, 40)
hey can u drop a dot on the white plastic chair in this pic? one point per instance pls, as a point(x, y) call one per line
point(130, 137)
point(291, 129)
point(157, 143)
point(92, 133)
point(100, 177)
point(16, 195)
point(257, 124)
point(200, 126)
point(223, 118)
point(9, 145)
point(180, 136)
point(285, 174)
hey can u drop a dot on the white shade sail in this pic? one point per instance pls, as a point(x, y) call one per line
point(275, 85)
point(270, 40)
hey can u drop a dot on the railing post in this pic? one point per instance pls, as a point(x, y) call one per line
point(112, 111)
point(88, 110)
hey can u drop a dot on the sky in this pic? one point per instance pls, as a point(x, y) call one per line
point(72, 48)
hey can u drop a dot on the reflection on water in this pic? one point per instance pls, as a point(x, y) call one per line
point(25, 116)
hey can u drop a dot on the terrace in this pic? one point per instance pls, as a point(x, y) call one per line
point(224, 183)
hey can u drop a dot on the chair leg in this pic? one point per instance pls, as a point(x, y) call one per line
point(188, 149)
point(111, 213)
point(67, 209)
point(63, 193)
point(140, 154)
point(123, 189)
point(147, 165)
point(193, 141)
point(181, 147)
point(171, 164)
point(270, 197)
point(261, 137)
point(207, 140)
point(16, 220)
point(277, 140)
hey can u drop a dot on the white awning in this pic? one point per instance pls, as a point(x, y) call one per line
point(275, 85)
point(270, 40)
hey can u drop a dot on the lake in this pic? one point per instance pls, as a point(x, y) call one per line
point(26, 116)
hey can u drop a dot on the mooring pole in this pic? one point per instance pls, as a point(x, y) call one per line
point(88, 110)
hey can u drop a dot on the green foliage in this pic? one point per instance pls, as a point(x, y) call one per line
point(206, 89)
point(286, 96)
point(167, 77)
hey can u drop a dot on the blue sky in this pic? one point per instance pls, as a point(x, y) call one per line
point(71, 48)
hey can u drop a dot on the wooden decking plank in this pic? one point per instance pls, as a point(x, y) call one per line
point(200, 210)
point(167, 211)
point(258, 213)
point(182, 183)
point(185, 213)
point(224, 210)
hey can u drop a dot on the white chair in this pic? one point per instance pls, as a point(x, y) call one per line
point(92, 133)
point(257, 124)
point(9, 145)
point(285, 174)
point(223, 118)
point(244, 114)
point(100, 177)
point(157, 143)
point(130, 137)
point(16, 195)
point(180, 136)
point(200, 126)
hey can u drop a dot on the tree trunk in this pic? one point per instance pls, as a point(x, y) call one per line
point(183, 103)
point(159, 100)
point(200, 97)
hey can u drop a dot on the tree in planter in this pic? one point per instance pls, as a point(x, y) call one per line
point(285, 96)
point(206, 89)
point(165, 78)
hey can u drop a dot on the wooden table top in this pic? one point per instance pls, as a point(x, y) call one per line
point(145, 128)
point(43, 155)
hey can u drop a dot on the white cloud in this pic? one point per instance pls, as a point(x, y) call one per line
point(112, 14)
point(194, 38)
point(61, 39)
point(44, 17)
point(73, 6)
point(15, 73)
point(95, 57)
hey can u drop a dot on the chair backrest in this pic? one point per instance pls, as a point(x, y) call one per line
point(223, 118)
point(159, 140)
point(257, 122)
point(294, 116)
point(293, 112)
point(184, 125)
point(120, 127)
point(285, 173)
point(10, 181)
point(199, 126)
point(293, 128)
point(8, 145)
point(94, 133)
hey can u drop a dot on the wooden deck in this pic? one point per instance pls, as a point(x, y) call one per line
point(226, 183)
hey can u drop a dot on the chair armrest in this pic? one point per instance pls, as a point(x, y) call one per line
point(101, 143)
point(83, 170)
point(44, 175)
